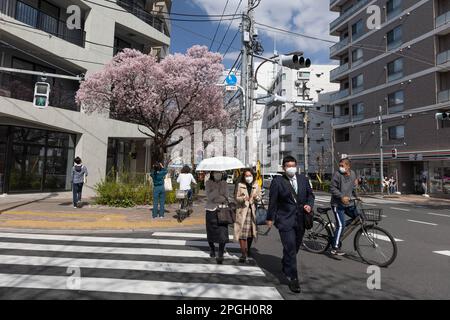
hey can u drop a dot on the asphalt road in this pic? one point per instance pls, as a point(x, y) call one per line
point(419, 272)
point(176, 264)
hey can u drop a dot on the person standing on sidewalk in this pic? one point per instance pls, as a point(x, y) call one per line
point(248, 193)
point(159, 193)
point(186, 179)
point(290, 199)
point(343, 188)
point(216, 194)
point(79, 178)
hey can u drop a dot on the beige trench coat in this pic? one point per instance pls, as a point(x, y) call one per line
point(244, 206)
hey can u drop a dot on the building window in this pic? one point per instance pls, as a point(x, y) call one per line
point(393, 8)
point(357, 30)
point(357, 84)
point(300, 140)
point(396, 133)
point(394, 38)
point(342, 135)
point(357, 57)
point(396, 101)
point(120, 44)
point(358, 111)
point(284, 76)
point(395, 70)
point(303, 75)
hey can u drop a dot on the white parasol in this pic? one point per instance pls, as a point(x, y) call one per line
point(220, 164)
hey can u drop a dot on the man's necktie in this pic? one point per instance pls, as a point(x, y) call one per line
point(294, 185)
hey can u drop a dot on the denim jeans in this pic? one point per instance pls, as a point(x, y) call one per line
point(159, 197)
point(339, 213)
point(76, 189)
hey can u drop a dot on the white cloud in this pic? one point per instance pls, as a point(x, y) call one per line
point(311, 17)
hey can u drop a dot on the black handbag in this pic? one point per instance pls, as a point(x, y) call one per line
point(226, 214)
point(308, 218)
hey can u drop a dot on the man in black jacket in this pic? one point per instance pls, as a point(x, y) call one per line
point(290, 198)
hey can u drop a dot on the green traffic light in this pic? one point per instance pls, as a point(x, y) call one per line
point(41, 101)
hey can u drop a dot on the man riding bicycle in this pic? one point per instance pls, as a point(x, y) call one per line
point(343, 187)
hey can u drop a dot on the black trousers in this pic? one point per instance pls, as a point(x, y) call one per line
point(291, 240)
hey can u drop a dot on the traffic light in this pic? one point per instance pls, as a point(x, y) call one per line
point(41, 94)
point(443, 115)
point(394, 153)
point(295, 61)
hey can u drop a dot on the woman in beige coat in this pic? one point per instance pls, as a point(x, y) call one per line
point(248, 193)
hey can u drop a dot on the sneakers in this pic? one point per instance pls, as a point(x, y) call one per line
point(337, 252)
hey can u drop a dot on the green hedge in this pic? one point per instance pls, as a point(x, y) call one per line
point(325, 186)
point(124, 191)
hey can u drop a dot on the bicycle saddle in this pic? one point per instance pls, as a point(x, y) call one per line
point(323, 210)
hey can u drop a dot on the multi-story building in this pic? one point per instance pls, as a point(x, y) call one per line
point(400, 66)
point(282, 126)
point(37, 146)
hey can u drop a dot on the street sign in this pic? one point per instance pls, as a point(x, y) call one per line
point(231, 88)
point(231, 79)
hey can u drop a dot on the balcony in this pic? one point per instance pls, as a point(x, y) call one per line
point(339, 70)
point(139, 12)
point(443, 57)
point(442, 19)
point(444, 96)
point(340, 95)
point(21, 87)
point(339, 46)
point(285, 130)
point(42, 21)
point(341, 119)
point(286, 146)
point(348, 14)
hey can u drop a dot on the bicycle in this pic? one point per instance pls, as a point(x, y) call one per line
point(186, 202)
point(373, 244)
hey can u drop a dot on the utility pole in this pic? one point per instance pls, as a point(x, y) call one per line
point(305, 139)
point(381, 150)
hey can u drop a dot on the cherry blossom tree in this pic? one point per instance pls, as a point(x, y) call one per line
point(160, 96)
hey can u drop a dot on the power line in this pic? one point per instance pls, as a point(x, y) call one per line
point(367, 47)
point(218, 26)
point(228, 49)
point(229, 25)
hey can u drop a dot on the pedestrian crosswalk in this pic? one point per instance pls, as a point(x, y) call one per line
point(161, 265)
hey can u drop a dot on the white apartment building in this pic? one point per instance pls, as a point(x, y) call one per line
point(281, 128)
point(37, 146)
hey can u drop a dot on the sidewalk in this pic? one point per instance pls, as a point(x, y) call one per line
point(47, 212)
point(414, 199)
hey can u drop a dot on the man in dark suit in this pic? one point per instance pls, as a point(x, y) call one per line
point(288, 213)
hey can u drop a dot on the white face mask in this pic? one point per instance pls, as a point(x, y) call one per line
point(342, 170)
point(217, 176)
point(249, 179)
point(291, 171)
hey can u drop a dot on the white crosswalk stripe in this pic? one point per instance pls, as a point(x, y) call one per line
point(151, 266)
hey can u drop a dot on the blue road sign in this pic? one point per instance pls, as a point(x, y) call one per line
point(231, 79)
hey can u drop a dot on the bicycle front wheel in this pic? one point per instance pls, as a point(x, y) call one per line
point(375, 246)
point(318, 238)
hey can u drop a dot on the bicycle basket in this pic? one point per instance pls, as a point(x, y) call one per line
point(371, 214)
point(181, 194)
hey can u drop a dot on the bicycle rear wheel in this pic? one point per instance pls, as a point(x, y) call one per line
point(375, 246)
point(318, 238)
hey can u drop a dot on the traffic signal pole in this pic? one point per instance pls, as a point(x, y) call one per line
point(381, 150)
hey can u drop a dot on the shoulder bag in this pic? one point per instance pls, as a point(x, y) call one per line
point(226, 213)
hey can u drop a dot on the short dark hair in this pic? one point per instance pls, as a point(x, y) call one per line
point(243, 174)
point(186, 169)
point(77, 160)
point(289, 159)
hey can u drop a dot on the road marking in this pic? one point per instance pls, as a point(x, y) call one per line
point(445, 252)
point(369, 205)
point(169, 242)
point(180, 234)
point(384, 216)
point(108, 250)
point(422, 222)
point(384, 238)
point(193, 290)
point(438, 214)
point(321, 200)
point(401, 209)
point(151, 266)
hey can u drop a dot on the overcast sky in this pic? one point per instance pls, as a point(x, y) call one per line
point(310, 17)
